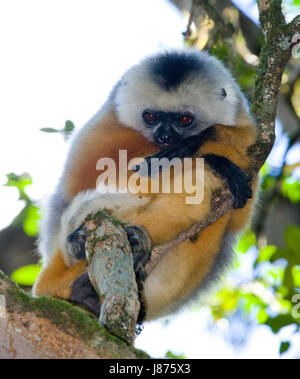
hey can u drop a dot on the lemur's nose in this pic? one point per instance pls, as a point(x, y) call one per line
point(164, 135)
point(167, 137)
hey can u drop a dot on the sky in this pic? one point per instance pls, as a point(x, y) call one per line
point(59, 61)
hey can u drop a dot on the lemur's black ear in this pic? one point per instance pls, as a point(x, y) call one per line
point(223, 93)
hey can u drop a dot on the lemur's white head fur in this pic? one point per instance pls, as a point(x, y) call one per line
point(179, 81)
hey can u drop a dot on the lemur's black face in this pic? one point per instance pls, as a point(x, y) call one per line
point(167, 127)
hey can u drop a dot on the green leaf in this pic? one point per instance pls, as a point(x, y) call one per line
point(20, 182)
point(30, 224)
point(296, 275)
point(274, 276)
point(228, 299)
point(262, 316)
point(49, 130)
point(296, 3)
point(69, 126)
point(279, 322)
point(291, 189)
point(170, 354)
point(68, 129)
point(292, 238)
point(286, 305)
point(282, 291)
point(248, 240)
point(26, 276)
point(251, 301)
point(288, 280)
point(266, 253)
point(264, 170)
point(284, 347)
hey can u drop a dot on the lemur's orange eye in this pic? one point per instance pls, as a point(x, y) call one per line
point(186, 120)
point(149, 118)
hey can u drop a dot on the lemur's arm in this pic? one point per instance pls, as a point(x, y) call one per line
point(237, 180)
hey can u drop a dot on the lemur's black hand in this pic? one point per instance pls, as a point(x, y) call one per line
point(83, 293)
point(237, 180)
point(76, 243)
point(183, 149)
point(147, 167)
point(141, 249)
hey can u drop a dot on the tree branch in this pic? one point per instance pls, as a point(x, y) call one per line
point(39, 328)
point(110, 267)
point(223, 29)
point(221, 24)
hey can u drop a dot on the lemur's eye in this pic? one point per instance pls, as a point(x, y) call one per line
point(149, 118)
point(186, 120)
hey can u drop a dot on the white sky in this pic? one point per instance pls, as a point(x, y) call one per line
point(59, 60)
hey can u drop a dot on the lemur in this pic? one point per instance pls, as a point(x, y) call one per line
point(181, 103)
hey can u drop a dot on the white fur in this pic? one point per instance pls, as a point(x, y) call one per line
point(199, 95)
point(90, 202)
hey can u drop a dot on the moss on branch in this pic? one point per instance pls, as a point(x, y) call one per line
point(35, 319)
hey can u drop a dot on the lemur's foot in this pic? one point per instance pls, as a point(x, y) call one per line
point(76, 243)
point(240, 189)
point(141, 249)
point(237, 180)
point(83, 293)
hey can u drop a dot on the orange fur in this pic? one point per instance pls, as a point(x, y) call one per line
point(189, 263)
point(232, 142)
point(103, 141)
point(56, 278)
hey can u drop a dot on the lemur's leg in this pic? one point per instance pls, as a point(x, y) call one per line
point(84, 293)
point(183, 269)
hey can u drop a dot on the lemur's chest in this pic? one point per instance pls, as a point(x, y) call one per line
point(108, 152)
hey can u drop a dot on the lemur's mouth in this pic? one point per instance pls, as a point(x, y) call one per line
point(164, 144)
point(164, 139)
